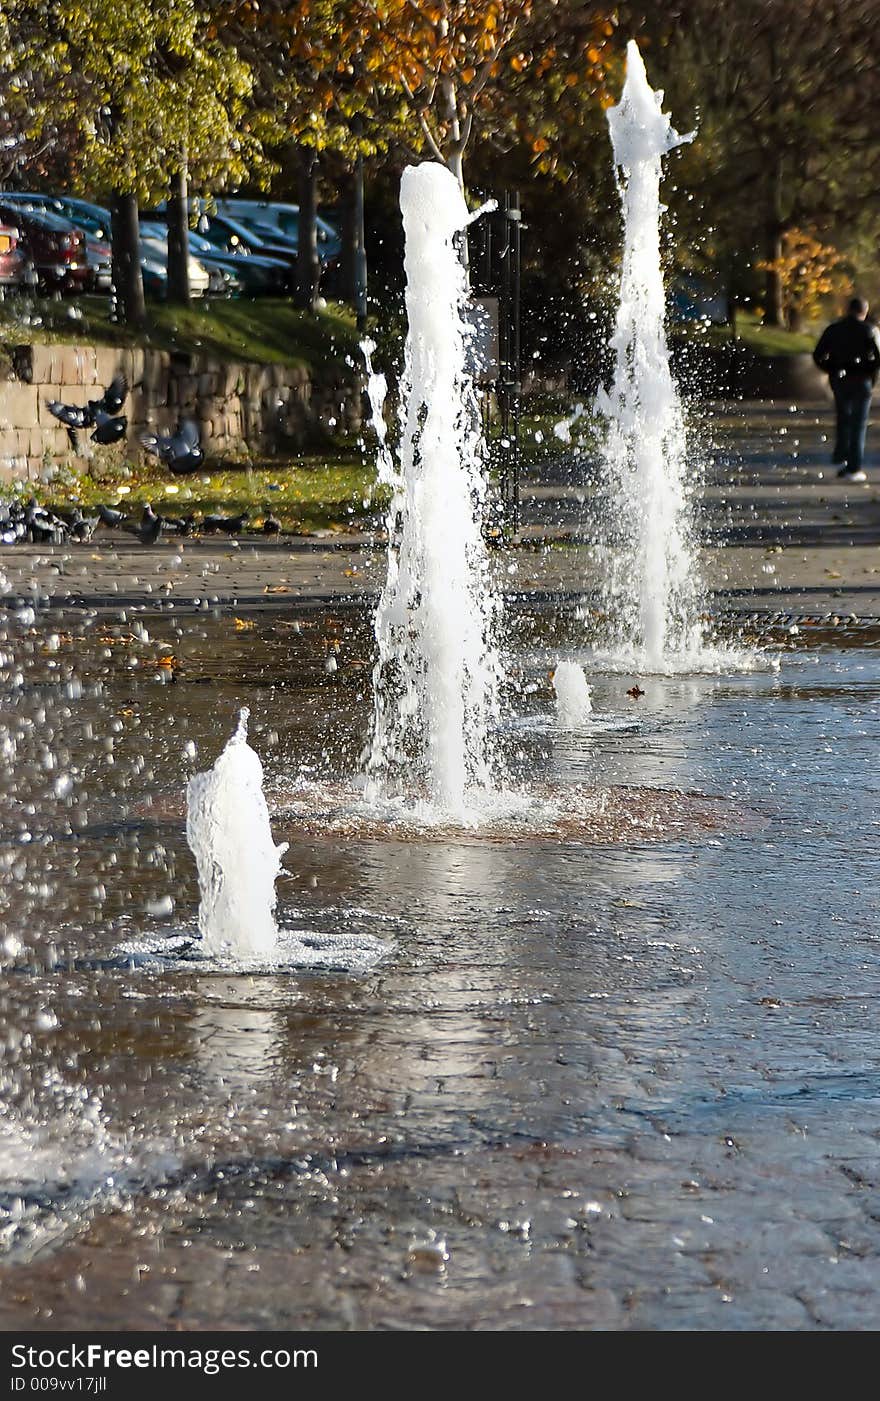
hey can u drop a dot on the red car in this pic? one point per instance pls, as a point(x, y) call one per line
point(52, 246)
point(12, 260)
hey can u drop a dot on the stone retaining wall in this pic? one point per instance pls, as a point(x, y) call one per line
point(241, 408)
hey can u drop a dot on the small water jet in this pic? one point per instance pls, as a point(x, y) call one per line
point(436, 678)
point(652, 585)
point(229, 834)
point(573, 702)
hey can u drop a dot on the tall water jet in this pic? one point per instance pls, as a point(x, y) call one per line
point(651, 588)
point(436, 679)
point(228, 830)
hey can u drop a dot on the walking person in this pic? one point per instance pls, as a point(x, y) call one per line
point(849, 353)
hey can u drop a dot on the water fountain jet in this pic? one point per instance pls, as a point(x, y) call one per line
point(436, 679)
point(652, 586)
point(228, 830)
point(573, 701)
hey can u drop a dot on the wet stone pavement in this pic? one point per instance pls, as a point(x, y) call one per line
point(587, 1086)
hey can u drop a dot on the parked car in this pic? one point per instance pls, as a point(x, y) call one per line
point(53, 247)
point(92, 219)
point(154, 247)
point(254, 275)
point(229, 236)
point(276, 241)
point(12, 260)
point(269, 219)
point(100, 263)
point(155, 276)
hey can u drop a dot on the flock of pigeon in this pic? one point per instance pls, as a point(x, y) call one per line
point(180, 451)
point(32, 524)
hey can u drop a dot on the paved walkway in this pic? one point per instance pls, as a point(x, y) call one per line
point(778, 532)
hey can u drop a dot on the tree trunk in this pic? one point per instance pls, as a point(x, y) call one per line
point(308, 267)
point(348, 237)
point(774, 311)
point(360, 264)
point(455, 163)
point(177, 217)
point(128, 283)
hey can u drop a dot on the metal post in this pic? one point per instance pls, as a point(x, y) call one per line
point(515, 217)
point(505, 348)
point(510, 373)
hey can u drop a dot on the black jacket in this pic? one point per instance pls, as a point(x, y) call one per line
point(849, 349)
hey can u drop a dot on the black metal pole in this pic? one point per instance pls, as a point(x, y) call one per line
point(505, 351)
point(515, 217)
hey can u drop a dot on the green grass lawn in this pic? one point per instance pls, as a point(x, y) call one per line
point(267, 330)
point(762, 340)
point(309, 493)
point(332, 489)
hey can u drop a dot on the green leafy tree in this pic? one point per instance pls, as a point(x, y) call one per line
point(149, 92)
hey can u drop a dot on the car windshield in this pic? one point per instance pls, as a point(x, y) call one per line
point(269, 234)
point(95, 221)
point(289, 225)
point(46, 220)
point(91, 218)
point(230, 234)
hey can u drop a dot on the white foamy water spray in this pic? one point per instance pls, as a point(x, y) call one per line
point(377, 393)
point(436, 679)
point(652, 588)
point(228, 830)
point(573, 703)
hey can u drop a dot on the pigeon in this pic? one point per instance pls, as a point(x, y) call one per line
point(82, 527)
point(181, 451)
point(12, 526)
point(230, 525)
point(180, 525)
point(41, 526)
point(110, 516)
point(150, 527)
point(114, 396)
point(271, 524)
point(76, 417)
point(109, 429)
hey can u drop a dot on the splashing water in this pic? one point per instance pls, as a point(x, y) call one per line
point(377, 393)
point(228, 830)
point(573, 703)
point(652, 585)
point(436, 679)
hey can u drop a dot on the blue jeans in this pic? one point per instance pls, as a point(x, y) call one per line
point(853, 400)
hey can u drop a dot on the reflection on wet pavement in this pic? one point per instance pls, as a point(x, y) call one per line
point(588, 1085)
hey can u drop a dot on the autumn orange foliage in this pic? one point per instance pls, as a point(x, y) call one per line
point(808, 270)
